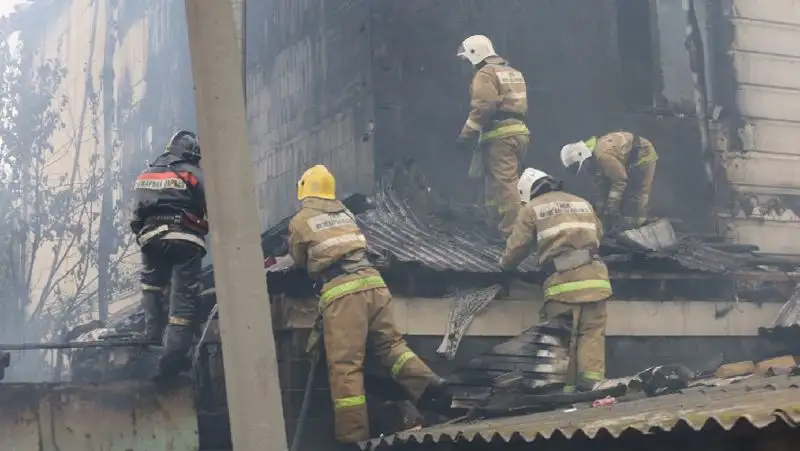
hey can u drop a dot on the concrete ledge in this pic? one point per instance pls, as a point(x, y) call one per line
point(507, 317)
point(625, 318)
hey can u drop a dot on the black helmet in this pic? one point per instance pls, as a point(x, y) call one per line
point(186, 145)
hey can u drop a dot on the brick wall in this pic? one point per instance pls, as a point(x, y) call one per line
point(309, 97)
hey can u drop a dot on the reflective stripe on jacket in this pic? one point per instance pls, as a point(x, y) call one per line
point(559, 222)
point(323, 233)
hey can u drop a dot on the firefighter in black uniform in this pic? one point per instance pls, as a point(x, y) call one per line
point(168, 220)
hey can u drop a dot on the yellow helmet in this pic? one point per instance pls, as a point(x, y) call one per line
point(317, 182)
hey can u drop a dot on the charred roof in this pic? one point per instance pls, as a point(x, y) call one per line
point(452, 239)
point(759, 401)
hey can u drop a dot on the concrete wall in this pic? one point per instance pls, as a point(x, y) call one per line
point(152, 92)
point(760, 43)
point(77, 37)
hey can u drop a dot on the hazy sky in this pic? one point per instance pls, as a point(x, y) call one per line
point(6, 6)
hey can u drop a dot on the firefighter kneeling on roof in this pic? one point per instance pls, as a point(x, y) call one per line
point(625, 165)
point(567, 235)
point(355, 308)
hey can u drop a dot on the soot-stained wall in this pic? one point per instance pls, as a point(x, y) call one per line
point(319, 74)
point(308, 96)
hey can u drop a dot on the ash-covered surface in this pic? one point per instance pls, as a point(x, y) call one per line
point(690, 254)
point(96, 365)
point(758, 401)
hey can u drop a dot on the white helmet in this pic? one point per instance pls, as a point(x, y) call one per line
point(475, 49)
point(573, 155)
point(527, 181)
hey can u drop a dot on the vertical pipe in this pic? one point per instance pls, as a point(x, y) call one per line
point(106, 235)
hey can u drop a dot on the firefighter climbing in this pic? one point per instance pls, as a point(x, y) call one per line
point(168, 220)
point(495, 129)
point(567, 234)
point(355, 308)
point(625, 165)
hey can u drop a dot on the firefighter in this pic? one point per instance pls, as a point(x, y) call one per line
point(496, 128)
point(567, 235)
point(355, 308)
point(169, 223)
point(625, 165)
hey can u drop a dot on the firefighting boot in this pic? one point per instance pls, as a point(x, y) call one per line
point(178, 343)
point(437, 397)
point(155, 318)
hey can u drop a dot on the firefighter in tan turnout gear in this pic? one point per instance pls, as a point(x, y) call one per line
point(355, 307)
point(496, 125)
point(625, 165)
point(567, 235)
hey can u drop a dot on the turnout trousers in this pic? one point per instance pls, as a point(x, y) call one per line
point(503, 159)
point(635, 199)
point(173, 266)
point(587, 350)
point(356, 326)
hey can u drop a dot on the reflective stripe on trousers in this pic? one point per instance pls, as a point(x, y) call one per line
point(575, 286)
point(178, 321)
point(506, 130)
point(364, 283)
point(593, 376)
point(401, 362)
point(647, 159)
point(350, 401)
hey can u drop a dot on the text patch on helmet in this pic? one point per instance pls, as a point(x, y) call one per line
point(327, 221)
point(551, 209)
point(510, 77)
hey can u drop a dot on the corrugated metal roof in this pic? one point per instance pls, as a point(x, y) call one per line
point(394, 230)
point(760, 402)
point(462, 244)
